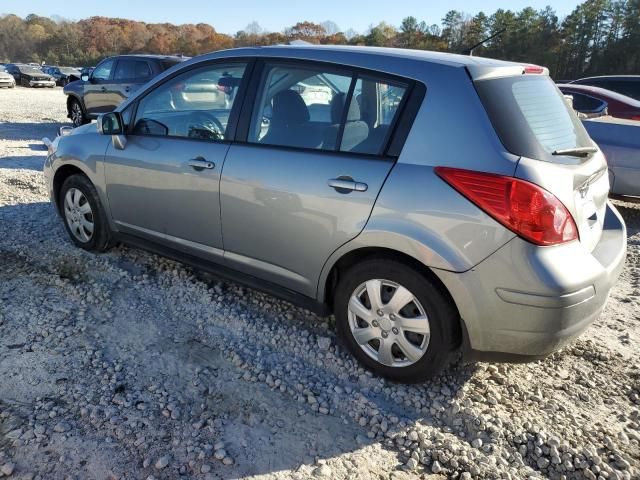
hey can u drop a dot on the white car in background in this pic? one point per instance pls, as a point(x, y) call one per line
point(6, 79)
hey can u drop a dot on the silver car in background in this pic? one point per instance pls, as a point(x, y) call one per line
point(430, 202)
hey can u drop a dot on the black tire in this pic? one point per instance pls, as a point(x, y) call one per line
point(76, 113)
point(442, 315)
point(100, 239)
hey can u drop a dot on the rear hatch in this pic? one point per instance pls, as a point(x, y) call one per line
point(533, 121)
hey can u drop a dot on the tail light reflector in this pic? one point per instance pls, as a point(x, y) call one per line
point(527, 209)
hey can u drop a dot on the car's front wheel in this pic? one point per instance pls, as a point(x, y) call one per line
point(76, 114)
point(84, 217)
point(396, 321)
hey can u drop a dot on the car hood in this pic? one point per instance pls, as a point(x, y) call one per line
point(5, 75)
point(84, 129)
point(38, 75)
point(74, 87)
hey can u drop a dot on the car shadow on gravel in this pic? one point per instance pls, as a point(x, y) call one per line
point(29, 130)
point(27, 162)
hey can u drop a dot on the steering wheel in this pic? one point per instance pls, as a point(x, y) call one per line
point(205, 126)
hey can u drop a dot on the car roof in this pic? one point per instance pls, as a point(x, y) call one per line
point(601, 91)
point(610, 77)
point(479, 67)
point(150, 56)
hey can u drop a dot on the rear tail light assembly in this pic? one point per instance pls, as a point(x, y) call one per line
point(527, 209)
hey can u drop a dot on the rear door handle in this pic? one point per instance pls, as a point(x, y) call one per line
point(347, 184)
point(200, 163)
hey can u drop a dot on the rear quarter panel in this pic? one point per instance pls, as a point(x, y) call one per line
point(417, 213)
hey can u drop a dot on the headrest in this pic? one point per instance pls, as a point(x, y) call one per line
point(289, 108)
point(337, 107)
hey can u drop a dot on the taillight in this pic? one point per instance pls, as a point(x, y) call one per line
point(530, 211)
point(635, 117)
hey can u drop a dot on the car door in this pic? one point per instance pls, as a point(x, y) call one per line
point(304, 177)
point(99, 94)
point(164, 184)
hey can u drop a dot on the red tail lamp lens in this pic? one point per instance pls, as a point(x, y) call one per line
point(530, 211)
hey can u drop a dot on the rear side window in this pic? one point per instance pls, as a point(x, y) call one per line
point(531, 117)
point(312, 107)
point(132, 69)
point(372, 110)
point(625, 87)
point(585, 103)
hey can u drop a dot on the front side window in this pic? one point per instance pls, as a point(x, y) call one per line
point(196, 104)
point(103, 71)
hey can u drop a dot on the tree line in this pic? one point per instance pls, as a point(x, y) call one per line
point(597, 37)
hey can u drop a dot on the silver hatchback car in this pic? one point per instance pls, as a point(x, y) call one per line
point(430, 201)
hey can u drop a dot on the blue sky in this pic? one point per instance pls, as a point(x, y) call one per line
point(273, 15)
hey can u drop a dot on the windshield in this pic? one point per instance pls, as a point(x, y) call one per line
point(531, 116)
point(69, 71)
point(30, 70)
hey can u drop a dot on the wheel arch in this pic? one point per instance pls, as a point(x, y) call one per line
point(61, 174)
point(358, 255)
point(342, 263)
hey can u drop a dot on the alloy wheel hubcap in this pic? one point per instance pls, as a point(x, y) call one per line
point(78, 214)
point(389, 323)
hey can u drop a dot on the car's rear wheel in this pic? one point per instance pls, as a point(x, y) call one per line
point(396, 321)
point(84, 217)
point(77, 115)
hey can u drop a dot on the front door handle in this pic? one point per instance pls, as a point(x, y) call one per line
point(200, 163)
point(103, 89)
point(347, 184)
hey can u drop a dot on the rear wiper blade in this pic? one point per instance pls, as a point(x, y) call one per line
point(576, 152)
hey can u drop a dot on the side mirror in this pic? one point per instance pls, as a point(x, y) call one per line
point(110, 124)
point(84, 77)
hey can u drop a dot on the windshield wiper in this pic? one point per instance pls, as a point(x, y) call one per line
point(576, 152)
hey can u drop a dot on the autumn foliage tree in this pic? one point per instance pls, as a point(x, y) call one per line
point(597, 37)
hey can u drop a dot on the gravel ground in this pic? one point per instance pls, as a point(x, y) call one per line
point(127, 365)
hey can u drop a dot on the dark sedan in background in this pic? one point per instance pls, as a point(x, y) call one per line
point(596, 101)
point(30, 76)
point(113, 80)
point(63, 75)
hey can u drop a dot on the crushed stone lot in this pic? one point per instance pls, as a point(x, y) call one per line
point(126, 365)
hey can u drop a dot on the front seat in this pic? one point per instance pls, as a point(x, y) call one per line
point(355, 129)
point(289, 123)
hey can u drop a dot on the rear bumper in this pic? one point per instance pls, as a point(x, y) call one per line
point(525, 302)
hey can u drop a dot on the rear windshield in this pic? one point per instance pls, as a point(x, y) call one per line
point(531, 116)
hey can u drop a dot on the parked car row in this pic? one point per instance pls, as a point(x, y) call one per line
point(29, 76)
point(429, 201)
point(35, 75)
point(62, 75)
